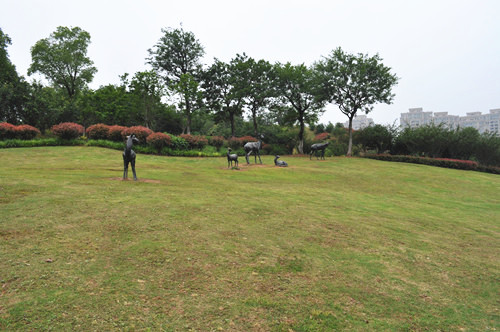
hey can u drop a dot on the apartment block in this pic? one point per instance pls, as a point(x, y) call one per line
point(489, 122)
point(359, 122)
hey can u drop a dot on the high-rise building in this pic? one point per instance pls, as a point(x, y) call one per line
point(359, 122)
point(416, 117)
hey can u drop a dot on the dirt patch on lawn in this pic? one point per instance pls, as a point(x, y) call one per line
point(138, 180)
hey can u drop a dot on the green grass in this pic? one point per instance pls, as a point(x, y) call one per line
point(346, 243)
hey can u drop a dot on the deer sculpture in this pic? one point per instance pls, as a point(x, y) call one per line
point(279, 163)
point(255, 148)
point(318, 147)
point(129, 156)
point(231, 158)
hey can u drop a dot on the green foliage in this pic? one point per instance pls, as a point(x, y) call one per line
point(62, 58)
point(354, 83)
point(375, 137)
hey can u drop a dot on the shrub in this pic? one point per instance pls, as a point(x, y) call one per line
point(139, 131)
point(234, 143)
point(194, 141)
point(216, 141)
point(67, 130)
point(26, 132)
point(179, 143)
point(321, 137)
point(159, 140)
point(7, 130)
point(98, 131)
point(115, 133)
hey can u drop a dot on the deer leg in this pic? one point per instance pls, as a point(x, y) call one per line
point(132, 162)
point(125, 168)
point(246, 157)
point(258, 151)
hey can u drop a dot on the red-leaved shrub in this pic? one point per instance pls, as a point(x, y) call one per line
point(115, 133)
point(216, 141)
point(194, 141)
point(67, 130)
point(159, 140)
point(98, 131)
point(26, 132)
point(7, 130)
point(139, 131)
point(321, 137)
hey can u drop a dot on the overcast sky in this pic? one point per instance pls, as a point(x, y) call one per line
point(446, 53)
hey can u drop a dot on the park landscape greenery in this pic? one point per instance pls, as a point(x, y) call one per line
point(346, 243)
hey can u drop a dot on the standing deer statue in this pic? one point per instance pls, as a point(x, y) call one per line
point(255, 148)
point(129, 156)
point(231, 158)
point(318, 147)
point(279, 163)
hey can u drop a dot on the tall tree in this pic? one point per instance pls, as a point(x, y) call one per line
point(14, 90)
point(225, 86)
point(62, 59)
point(295, 86)
point(259, 89)
point(177, 55)
point(354, 83)
point(148, 90)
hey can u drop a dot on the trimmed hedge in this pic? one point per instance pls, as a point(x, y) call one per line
point(67, 130)
point(23, 132)
point(98, 131)
point(115, 133)
point(439, 162)
point(159, 141)
point(140, 132)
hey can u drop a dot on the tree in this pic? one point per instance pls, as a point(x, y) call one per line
point(224, 89)
point(295, 86)
point(148, 90)
point(354, 83)
point(177, 54)
point(14, 90)
point(375, 137)
point(62, 59)
point(259, 89)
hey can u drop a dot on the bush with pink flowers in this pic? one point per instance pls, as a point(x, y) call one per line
point(195, 141)
point(67, 130)
point(98, 131)
point(26, 132)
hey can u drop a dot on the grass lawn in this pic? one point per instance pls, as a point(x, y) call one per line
point(345, 243)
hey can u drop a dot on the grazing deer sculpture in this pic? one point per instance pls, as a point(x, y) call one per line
point(255, 148)
point(318, 147)
point(231, 158)
point(279, 163)
point(129, 156)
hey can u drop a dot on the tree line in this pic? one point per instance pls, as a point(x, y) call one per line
point(181, 95)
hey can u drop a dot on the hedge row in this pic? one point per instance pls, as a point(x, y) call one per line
point(439, 162)
point(23, 132)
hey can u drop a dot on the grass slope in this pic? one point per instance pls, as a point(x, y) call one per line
point(344, 243)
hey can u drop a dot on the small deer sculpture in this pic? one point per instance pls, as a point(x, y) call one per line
point(279, 163)
point(318, 147)
point(255, 148)
point(129, 156)
point(231, 158)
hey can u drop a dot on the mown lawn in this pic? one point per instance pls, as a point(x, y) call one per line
point(345, 243)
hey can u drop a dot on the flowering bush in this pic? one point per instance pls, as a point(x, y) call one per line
point(159, 140)
point(139, 131)
point(194, 141)
point(7, 130)
point(115, 133)
point(216, 141)
point(321, 137)
point(238, 142)
point(98, 131)
point(26, 132)
point(67, 130)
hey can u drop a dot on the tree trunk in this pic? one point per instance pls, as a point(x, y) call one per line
point(349, 149)
point(188, 116)
point(301, 137)
point(254, 116)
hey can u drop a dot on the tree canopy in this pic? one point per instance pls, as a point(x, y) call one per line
point(354, 83)
point(62, 59)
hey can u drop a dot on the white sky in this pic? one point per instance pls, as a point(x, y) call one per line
point(446, 52)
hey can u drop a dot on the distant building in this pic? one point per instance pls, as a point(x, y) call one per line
point(359, 122)
point(416, 117)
